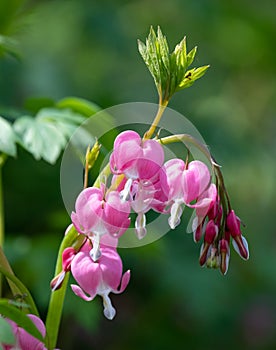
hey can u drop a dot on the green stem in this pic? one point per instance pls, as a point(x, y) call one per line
point(2, 235)
point(4, 264)
point(3, 158)
point(161, 109)
point(57, 297)
point(190, 139)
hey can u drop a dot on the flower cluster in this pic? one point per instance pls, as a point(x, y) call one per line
point(141, 181)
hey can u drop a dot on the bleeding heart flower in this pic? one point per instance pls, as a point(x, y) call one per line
point(100, 277)
point(98, 213)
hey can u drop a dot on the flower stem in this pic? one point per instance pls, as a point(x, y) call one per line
point(204, 149)
point(57, 297)
point(189, 139)
point(3, 158)
point(162, 106)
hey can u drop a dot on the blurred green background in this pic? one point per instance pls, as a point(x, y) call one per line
point(88, 49)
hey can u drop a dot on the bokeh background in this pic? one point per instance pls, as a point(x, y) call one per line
point(88, 48)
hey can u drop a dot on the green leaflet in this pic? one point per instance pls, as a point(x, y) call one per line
point(191, 76)
point(45, 136)
point(79, 105)
point(7, 138)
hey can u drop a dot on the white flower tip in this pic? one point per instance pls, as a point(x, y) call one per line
point(95, 254)
point(109, 310)
point(176, 212)
point(125, 193)
point(140, 225)
point(110, 313)
point(141, 232)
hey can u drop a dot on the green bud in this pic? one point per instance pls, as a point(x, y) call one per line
point(92, 154)
point(213, 262)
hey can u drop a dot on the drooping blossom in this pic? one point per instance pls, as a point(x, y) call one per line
point(99, 212)
point(99, 277)
point(171, 182)
point(136, 158)
point(140, 162)
point(24, 340)
point(196, 179)
point(206, 207)
point(183, 184)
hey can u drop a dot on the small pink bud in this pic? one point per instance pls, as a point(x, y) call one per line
point(57, 281)
point(198, 232)
point(210, 232)
point(233, 224)
point(225, 255)
point(241, 246)
point(204, 253)
point(67, 257)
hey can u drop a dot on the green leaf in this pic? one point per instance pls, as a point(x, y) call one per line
point(46, 135)
point(6, 333)
point(13, 313)
point(7, 138)
point(9, 45)
point(191, 76)
point(164, 49)
point(191, 56)
point(40, 138)
point(34, 104)
point(20, 288)
point(79, 105)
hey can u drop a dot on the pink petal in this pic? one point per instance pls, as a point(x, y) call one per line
point(195, 180)
point(67, 257)
point(111, 267)
point(38, 323)
point(80, 293)
point(127, 149)
point(76, 223)
point(124, 282)
point(151, 160)
point(171, 178)
point(116, 212)
point(128, 135)
point(27, 341)
point(109, 241)
point(86, 272)
point(88, 209)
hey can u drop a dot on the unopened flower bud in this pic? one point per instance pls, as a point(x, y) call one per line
point(92, 154)
point(224, 255)
point(240, 244)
